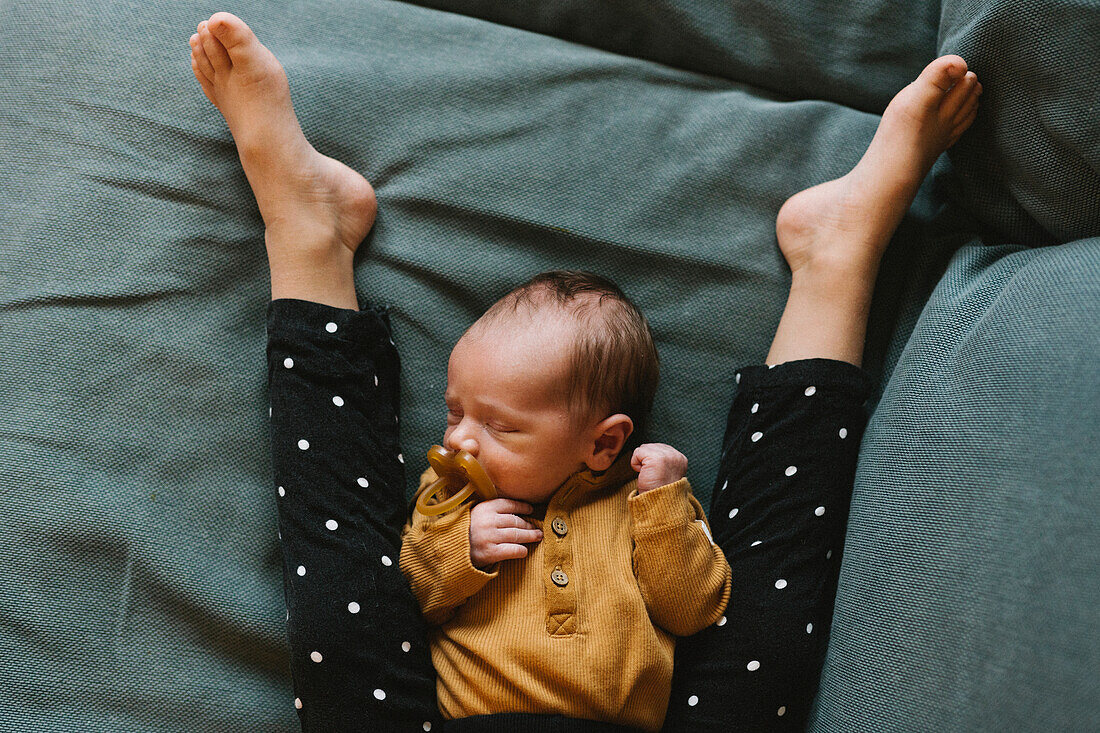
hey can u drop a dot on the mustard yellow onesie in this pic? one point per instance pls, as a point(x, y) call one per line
point(585, 625)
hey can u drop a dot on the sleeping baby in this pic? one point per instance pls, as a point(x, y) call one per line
point(564, 594)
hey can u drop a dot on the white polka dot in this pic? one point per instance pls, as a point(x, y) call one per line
point(724, 485)
point(269, 411)
point(772, 366)
point(781, 711)
point(820, 511)
point(721, 621)
point(380, 694)
point(297, 703)
point(288, 615)
point(829, 555)
point(427, 725)
point(353, 607)
point(737, 378)
point(331, 524)
point(753, 666)
point(303, 444)
point(733, 512)
point(288, 362)
point(362, 482)
point(693, 700)
point(386, 560)
point(280, 535)
point(791, 471)
point(330, 327)
point(400, 458)
point(301, 570)
point(780, 584)
point(757, 436)
point(406, 646)
point(375, 380)
point(810, 390)
point(809, 628)
point(755, 407)
point(338, 401)
point(754, 544)
point(316, 656)
point(282, 491)
point(844, 433)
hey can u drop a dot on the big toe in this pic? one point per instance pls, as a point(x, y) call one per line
point(233, 33)
point(939, 76)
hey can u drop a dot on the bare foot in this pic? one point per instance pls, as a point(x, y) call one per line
point(848, 222)
point(309, 202)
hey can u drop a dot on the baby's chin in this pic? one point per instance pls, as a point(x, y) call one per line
point(523, 496)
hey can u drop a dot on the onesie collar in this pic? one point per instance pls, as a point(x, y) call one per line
point(587, 481)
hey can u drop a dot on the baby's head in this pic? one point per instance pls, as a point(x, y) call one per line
point(554, 378)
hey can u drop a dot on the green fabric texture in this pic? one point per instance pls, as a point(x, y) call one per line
point(784, 47)
point(140, 582)
point(968, 594)
point(1030, 166)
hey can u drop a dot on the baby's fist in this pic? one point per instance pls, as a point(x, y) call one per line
point(658, 464)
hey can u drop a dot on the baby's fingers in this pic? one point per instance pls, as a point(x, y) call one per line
point(511, 520)
point(517, 535)
point(505, 551)
point(507, 506)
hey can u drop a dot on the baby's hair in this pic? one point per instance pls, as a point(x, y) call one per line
point(614, 366)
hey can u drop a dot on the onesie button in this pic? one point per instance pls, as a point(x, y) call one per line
point(558, 525)
point(559, 577)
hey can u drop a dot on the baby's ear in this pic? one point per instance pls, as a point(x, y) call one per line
point(609, 436)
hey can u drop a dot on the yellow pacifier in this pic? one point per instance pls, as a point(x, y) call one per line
point(458, 471)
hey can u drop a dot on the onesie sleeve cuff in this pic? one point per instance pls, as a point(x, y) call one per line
point(453, 553)
point(435, 557)
point(661, 508)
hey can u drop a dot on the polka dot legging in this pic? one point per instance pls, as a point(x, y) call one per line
point(359, 652)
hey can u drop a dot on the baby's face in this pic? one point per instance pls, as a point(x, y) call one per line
point(507, 405)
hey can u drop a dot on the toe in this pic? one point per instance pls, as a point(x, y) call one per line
point(956, 99)
point(943, 73)
point(207, 86)
point(963, 126)
point(215, 51)
point(198, 56)
point(233, 32)
point(967, 109)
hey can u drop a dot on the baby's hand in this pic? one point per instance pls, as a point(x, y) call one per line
point(497, 533)
point(657, 464)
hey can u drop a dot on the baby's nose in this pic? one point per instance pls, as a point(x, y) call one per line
point(459, 439)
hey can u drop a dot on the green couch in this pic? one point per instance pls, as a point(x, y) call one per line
point(140, 576)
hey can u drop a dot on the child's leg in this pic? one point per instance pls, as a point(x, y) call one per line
point(359, 650)
point(781, 500)
point(358, 643)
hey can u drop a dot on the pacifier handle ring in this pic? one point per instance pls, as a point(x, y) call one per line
point(445, 505)
point(450, 465)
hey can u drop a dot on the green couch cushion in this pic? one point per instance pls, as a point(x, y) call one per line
point(857, 53)
point(1030, 167)
point(140, 563)
point(968, 595)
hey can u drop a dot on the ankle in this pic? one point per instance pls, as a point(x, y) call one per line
point(323, 273)
point(839, 266)
point(839, 280)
